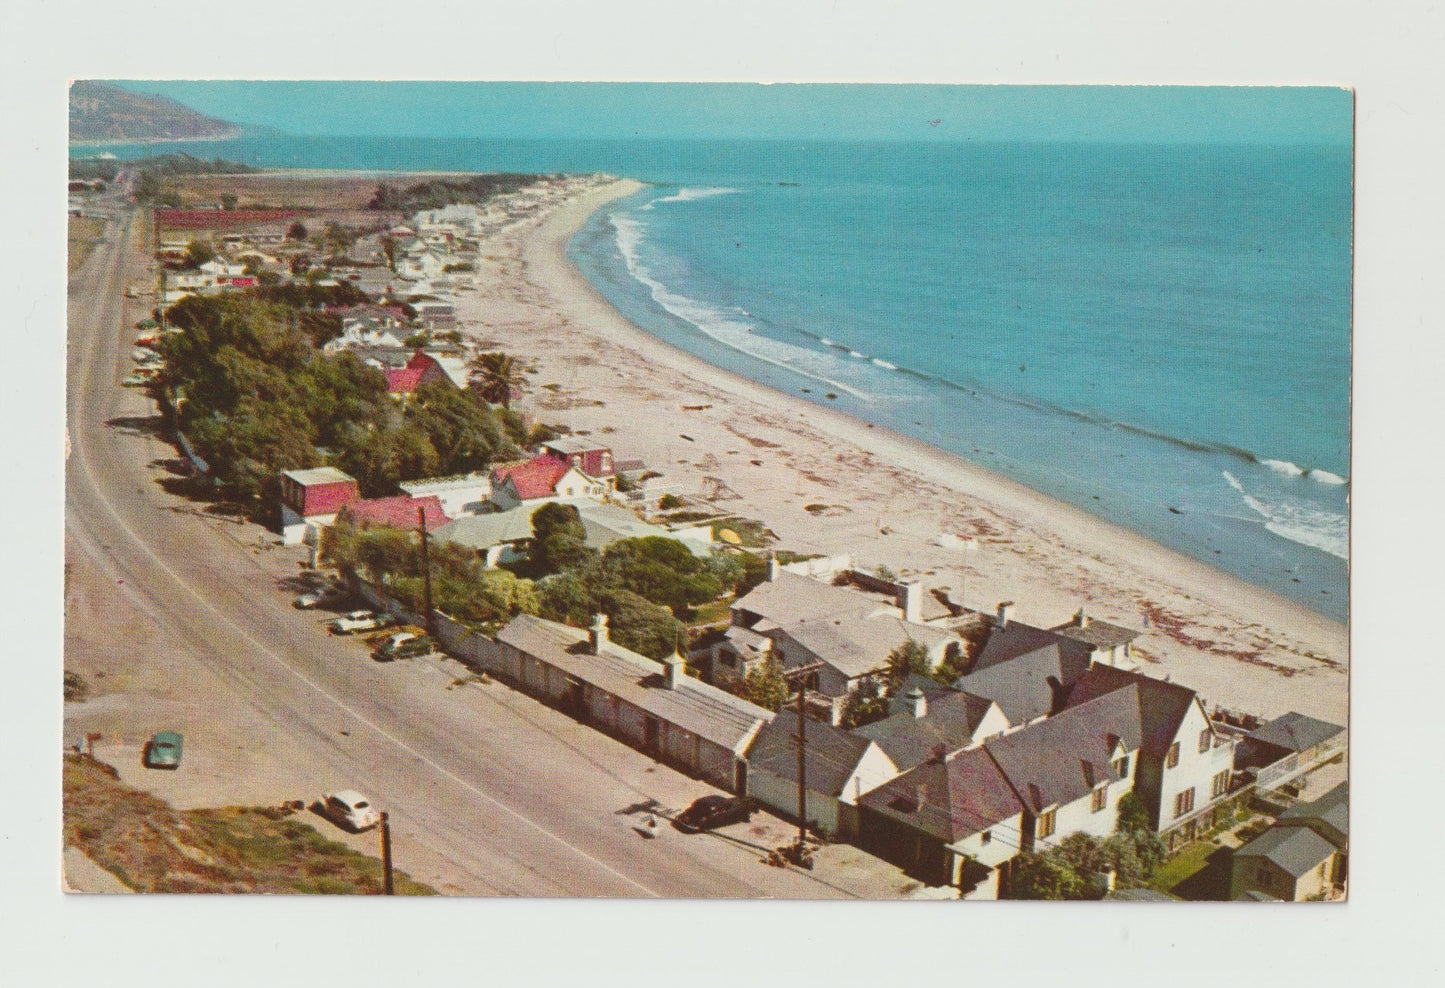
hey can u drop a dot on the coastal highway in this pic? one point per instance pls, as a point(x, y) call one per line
point(182, 620)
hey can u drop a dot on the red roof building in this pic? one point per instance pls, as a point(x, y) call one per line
point(421, 369)
point(532, 479)
point(322, 491)
point(590, 458)
point(396, 512)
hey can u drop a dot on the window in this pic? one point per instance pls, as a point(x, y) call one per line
point(1121, 766)
point(1173, 757)
point(1184, 802)
point(1099, 799)
point(1044, 827)
point(1220, 785)
point(1205, 736)
point(985, 837)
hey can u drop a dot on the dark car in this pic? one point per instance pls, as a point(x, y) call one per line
point(402, 645)
point(164, 750)
point(713, 811)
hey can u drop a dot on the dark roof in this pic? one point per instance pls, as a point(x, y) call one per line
point(961, 796)
point(1332, 809)
point(1059, 760)
point(1162, 706)
point(832, 754)
point(1100, 634)
point(950, 720)
point(1295, 849)
point(1295, 732)
point(1025, 670)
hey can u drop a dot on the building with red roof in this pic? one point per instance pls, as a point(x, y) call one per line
point(421, 369)
point(395, 512)
point(310, 499)
point(544, 478)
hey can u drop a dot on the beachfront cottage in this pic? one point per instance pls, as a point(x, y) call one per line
point(544, 478)
point(422, 368)
point(1112, 643)
point(851, 628)
point(310, 500)
point(589, 457)
point(840, 768)
point(1304, 855)
point(653, 706)
point(1185, 763)
point(1279, 752)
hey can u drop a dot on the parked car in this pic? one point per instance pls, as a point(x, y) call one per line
point(402, 645)
point(163, 750)
point(350, 810)
point(354, 621)
point(713, 811)
point(317, 598)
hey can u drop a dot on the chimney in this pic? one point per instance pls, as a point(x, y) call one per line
point(773, 568)
point(920, 796)
point(910, 599)
point(913, 702)
point(1081, 619)
point(597, 634)
point(1003, 612)
point(674, 668)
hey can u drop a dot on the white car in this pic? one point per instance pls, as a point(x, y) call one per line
point(355, 621)
point(350, 809)
point(315, 598)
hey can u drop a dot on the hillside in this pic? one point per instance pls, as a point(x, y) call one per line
point(99, 112)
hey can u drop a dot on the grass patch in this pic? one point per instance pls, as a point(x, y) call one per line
point(152, 847)
point(713, 612)
point(1199, 872)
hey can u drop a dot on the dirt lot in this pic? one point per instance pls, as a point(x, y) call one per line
point(151, 847)
point(80, 239)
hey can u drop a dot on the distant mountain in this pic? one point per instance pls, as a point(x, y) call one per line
point(99, 112)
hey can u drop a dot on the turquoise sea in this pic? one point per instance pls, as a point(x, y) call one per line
point(1156, 333)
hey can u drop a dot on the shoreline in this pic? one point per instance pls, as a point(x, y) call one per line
point(1240, 645)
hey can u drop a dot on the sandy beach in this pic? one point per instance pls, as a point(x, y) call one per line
point(888, 498)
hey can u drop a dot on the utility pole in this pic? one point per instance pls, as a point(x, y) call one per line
point(799, 676)
point(387, 887)
point(425, 570)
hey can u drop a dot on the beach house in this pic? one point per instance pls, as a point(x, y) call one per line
point(543, 478)
point(1304, 855)
point(1027, 671)
point(311, 499)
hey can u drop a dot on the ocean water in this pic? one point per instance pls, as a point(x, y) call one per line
point(1158, 334)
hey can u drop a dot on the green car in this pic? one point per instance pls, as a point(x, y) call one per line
point(164, 750)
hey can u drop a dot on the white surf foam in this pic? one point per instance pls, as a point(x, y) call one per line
point(884, 364)
point(1283, 466)
point(1325, 477)
point(721, 326)
point(1324, 530)
point(688, 195)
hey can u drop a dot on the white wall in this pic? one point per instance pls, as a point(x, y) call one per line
point(1195, 769)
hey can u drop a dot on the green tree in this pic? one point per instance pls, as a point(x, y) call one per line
point(641, 625)
point(389, 249)
point(497, 376)
point(559, 540)
point(765, 685)
point(567, 598)
point(864, 705)
point(198, 252)
point(228, 201)
point(910, 657)
point(661, 569)
point(1046, 875)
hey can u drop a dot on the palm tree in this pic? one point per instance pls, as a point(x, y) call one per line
point(497, 375)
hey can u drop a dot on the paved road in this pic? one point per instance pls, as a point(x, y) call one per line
point(489, 791)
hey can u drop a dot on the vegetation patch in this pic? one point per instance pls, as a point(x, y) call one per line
point(152, 847)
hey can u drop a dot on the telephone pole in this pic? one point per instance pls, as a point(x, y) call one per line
point(425, 570)
point(387, 888)
point(799, 676)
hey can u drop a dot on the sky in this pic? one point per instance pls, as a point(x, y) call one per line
point(735, 110)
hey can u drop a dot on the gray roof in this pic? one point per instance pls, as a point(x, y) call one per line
point(574, 444)
point(790, 597)
point(609, 523)
point(832, 754)
point(1059, 760)
point(1025, 671)
point(856, 645)
point(706, 711)
point(1295, 849)
point(1295, 732)
point(962, 795)
point(1331, 809)
point(1162, 706)
point(485, 531)
point(1100, 634)
point(950, 720)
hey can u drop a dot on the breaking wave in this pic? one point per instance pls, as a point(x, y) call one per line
point(1324, 530)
